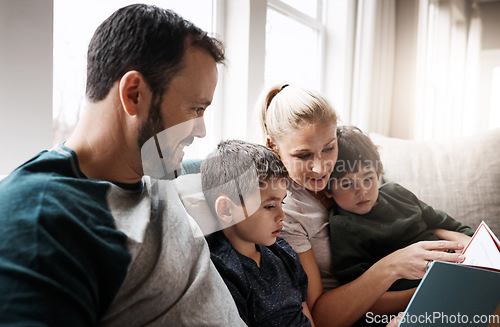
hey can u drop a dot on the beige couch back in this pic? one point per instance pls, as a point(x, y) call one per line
point(460, 176)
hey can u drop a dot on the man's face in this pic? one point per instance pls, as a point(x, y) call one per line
point(179, 115)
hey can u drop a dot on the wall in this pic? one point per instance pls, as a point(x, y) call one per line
point(25, 81)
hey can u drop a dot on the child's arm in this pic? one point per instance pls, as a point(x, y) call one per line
point(450, 235)
point(307, 312)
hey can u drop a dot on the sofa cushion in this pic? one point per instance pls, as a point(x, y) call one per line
point(191, 194)
point(459, 176)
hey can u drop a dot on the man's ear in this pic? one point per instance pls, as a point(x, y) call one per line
point(132, 89)
point(223, 208)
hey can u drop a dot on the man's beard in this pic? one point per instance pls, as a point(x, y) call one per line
point(157, 154)
point(153, 125)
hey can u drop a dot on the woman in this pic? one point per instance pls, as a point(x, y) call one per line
point(300, 126)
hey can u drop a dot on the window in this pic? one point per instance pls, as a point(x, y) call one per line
point(294, 43)
point(74, 25)
point(293, 34)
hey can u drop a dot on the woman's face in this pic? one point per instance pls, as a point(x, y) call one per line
point(309, 154)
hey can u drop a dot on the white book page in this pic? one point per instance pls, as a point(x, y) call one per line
point(482, 250)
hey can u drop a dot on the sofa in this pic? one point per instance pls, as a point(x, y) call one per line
point(459, 176)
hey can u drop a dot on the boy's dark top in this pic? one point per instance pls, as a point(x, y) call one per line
point(76, 251)
point(397, 220)
point(271, 295)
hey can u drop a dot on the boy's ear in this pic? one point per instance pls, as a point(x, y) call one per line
point(223, 209)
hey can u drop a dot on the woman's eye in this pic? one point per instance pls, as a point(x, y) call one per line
point(330, 149)
point(268, 207)
point(346, 185)
point(199, 110)
point(303, 156)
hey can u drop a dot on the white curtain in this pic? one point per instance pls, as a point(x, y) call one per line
point(471, 97)
point(447, 68)
point(373, 64)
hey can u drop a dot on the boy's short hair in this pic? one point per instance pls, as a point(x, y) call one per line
point(241, 164)
point(356, 150)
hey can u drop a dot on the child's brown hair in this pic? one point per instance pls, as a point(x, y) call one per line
point(356, 150)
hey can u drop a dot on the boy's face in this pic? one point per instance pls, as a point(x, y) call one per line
point(265, 224)
point(356, 192)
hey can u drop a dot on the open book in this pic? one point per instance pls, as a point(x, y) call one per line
point(467, 294)
point(483, 249)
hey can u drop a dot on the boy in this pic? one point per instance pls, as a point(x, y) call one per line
point(244, 185)
point(369, 222)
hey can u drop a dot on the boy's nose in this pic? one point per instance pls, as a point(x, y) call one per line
point(281, 215)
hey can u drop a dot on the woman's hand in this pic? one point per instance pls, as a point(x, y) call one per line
point(450, 235)
point(395, 322)
point(411, 262)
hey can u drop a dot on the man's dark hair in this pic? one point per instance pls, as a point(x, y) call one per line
point(144, 38)
point(226, 169)
point(356, 150)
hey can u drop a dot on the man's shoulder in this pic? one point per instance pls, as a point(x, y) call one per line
point(49, 178)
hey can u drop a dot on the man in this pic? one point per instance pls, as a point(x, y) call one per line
point(86, 239)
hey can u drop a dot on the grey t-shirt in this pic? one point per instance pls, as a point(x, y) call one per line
point(306, 227)
point(171, 280)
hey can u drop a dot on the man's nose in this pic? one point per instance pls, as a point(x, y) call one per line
point(199, 129)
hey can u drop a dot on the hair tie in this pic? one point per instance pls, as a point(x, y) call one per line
point(284, 85)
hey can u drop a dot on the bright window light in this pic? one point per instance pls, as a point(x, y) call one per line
point(74, 25)
point(292, 51)
point(309, 7)
point(495, 99)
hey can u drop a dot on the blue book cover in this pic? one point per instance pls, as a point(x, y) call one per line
point(455, 295)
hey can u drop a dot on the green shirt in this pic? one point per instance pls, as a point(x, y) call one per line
point(397, 220)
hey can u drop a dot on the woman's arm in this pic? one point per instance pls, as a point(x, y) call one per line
point(391, 302)
point(346, 304)
point(314, 286)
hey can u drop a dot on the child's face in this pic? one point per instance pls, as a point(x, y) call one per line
point(356, 192)
point(265, 224)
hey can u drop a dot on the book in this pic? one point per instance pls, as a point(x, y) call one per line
point(452, 294)
point(466, 294)
point(483, 250)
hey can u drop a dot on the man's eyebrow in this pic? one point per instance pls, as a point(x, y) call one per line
point(204, 102)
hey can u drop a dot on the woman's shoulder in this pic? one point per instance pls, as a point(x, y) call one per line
point(300, 203)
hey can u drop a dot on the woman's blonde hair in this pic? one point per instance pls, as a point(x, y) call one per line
point(286, 107)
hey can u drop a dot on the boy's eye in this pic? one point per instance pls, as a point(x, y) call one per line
point(199, 110)
point(346, 185)
point(269, 207)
